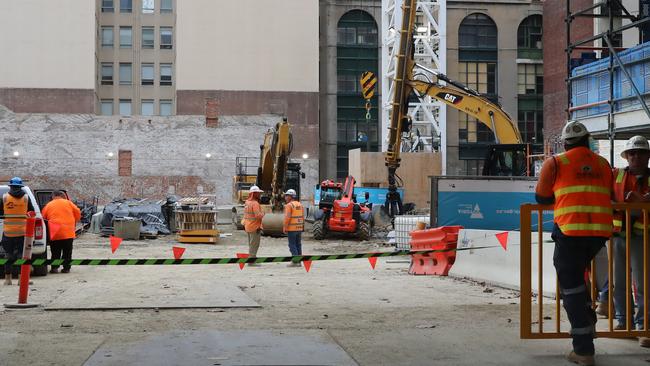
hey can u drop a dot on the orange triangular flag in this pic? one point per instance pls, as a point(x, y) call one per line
point(373, 262)
point(54, 229)
point(307, 265)
point(115, 243)
point(503, 239)
point(242, 255)
point(178, 252)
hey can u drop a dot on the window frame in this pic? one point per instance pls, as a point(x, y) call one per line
point(105, 102)
point(130, 104)
point(147, 82)
point(151, 10)
point(163, 45)
point(144, 45)
point(112, 33)
point(164, 10)
point(148, 102)
point(106, 81)
point(108, 9)
point(130, 66)
point(171, 75)
point(166, 102)
point(124, 9)
point(130, 30)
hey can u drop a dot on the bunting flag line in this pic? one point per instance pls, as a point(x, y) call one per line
point(178, 252)
point(115, 243)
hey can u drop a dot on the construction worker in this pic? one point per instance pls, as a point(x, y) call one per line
point(579, 184)
point(15, 205)
point(62, 216)
point(631, 184)
point(294, 224)
point(253, 221)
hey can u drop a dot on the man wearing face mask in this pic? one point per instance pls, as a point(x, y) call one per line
point(631, 184)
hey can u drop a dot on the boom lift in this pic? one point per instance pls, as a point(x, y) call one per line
point(455, 95)
point(275, 174)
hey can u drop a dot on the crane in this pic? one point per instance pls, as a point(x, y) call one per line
point(454, 94)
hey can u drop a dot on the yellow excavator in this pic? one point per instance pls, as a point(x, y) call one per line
point(275, 175)
point(504, 157)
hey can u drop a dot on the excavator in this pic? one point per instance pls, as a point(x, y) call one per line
point(504, 158)
point(275, 175)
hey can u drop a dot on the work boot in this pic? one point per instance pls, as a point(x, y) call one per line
point(602, 309)
point(65, 270)
point(54, 270)
point(8, 280)
point(644, 342)
point(583, 360)
point(293, 264)
point(253, 264)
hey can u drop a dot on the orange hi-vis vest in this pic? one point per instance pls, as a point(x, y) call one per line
point(15, 215)
point(294, 216)
point(621, 176)
point(582, 190)
point(251, 221)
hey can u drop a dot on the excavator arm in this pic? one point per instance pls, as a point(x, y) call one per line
point(274, 159)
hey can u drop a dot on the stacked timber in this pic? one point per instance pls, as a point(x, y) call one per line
point(197, 226)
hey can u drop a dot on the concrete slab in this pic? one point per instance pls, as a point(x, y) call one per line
point(291, 347)
point(148, 292)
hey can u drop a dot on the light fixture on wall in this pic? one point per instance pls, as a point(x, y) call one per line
point(110, 154)
point(208, 156)
point(16, 154)
point(305, 156)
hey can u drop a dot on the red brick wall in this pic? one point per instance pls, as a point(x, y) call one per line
point(555, 61)
point(23, 100)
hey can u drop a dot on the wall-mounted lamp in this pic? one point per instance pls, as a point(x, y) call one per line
point(110, 154)
point(305, 156)
point(208, 156)
point(16, 154)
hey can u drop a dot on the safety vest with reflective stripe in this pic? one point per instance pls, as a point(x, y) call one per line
point(619, 196)
point(294, 217)
point(15, 215)
point(582, 192)
point(251, 221)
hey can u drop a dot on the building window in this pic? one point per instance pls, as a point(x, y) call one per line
point(126, 74)
point(107, 107)
point(347, 83)
point(107, 6)
point(166, 6)
point(147, 6)
point(165, 107)
point(147, 74)
point(107, 73)
point(126, 37)
point(357, 29)
point(124, 163)
point(126, 6)
point(480, 76)
point(107, 37)
point(530, 79)
point(477, 38)
point(148, 37)
point(166, 38)
point(125, 107)
point(146, 107)
point(529, 38)
point(165, 74)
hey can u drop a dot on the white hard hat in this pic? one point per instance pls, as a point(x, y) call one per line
point(290, 192)
point(255, 189)
point(635, 143)
point(573, 131)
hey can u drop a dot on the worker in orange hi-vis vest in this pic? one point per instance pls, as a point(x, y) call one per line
point(631, 184)
point(252, 221)
point(294, 224)
point(13, 212)
point(62, 216)
point(578, 183)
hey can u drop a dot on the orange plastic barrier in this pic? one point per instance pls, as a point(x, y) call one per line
point(441, 238)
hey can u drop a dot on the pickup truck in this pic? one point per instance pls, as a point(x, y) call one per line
point(39, 249)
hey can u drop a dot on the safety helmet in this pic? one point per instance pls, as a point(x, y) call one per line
point(255, 189)
point(635, 143)
point(16, 182)
point(573, 131)
point(290, 192)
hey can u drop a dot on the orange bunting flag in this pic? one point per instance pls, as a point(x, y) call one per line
point(307, 265)
point(373, 262)
point(242, 255)
point(178, 252)
point(503, 239)
point(115, 243)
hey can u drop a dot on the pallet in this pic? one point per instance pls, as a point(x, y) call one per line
point(198, 239)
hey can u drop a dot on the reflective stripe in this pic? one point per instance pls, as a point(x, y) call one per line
point(620, 176)
point(582, 189)
point(591, 227)
point(583, 209)
point(575, 290)
point(563, 159)
point(582, 331)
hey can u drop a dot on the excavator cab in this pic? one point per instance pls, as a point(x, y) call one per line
point(507, 160)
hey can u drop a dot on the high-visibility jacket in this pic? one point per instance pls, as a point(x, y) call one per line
point(15, 215)
point(253, 214)
point(62, 216)
point(623, 180)
point(583, 190)
point(294, 218)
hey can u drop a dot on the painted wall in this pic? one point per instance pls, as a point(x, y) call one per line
point(47, 44)
point(247, 45)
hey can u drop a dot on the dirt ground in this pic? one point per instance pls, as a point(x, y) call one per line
point(378, 317)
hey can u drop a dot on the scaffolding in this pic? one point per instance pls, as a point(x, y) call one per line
point(608, 42)
point(430, 42)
